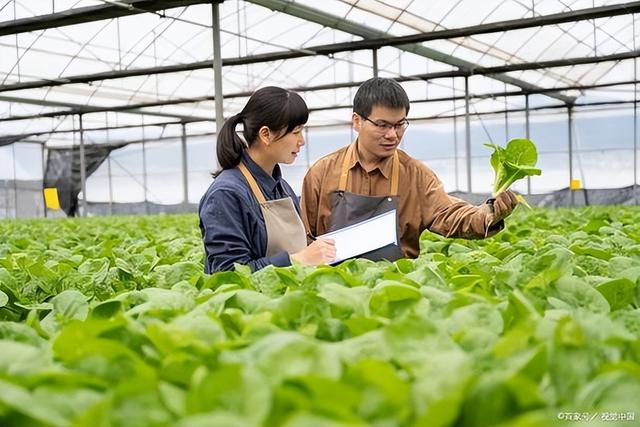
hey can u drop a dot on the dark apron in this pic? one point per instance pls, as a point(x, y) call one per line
point(350, 208)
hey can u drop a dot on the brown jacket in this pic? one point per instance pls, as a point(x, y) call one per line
point(423, 203)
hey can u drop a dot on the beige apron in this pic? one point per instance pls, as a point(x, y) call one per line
point(285, 230)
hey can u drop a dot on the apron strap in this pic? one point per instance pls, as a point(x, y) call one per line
point(395, 171)
point(252, 183)
point(345, 169)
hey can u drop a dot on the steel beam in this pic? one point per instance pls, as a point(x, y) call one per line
point(326, 19)
point(186, 119)
point(425, 77)
point(492, 27)
point(85, 109)
point(100, 12)
point(225, 62)
point(330, 49)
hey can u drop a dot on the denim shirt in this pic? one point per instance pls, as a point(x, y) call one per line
point(231, 221)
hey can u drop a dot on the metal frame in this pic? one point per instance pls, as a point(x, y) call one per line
point(486, 71)
point(21, 137)
point(81, 15)
point(373, 40)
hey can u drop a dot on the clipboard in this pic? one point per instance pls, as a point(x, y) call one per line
point(365, 236)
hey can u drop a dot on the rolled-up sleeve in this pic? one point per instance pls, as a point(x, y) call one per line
point(230, 234)
point(453, 217)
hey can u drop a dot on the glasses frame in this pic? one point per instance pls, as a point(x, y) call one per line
point(386, 127)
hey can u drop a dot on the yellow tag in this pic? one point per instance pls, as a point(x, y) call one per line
point(51, 198)
point(575, 184)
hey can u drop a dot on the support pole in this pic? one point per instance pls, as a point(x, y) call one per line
point(110, 184)
point(217, 69)
point(635, 117)
point(83, 169)
point(374, 54)
point(6, 198)
point(15, 181)
point(109, 179)
point(44, 173)
point(185, 171)
point(635, 144)
point(455, 136)
point(570, 117)
point(527, 132)
point(506, 114)
point(467, 140)
point(144, 170)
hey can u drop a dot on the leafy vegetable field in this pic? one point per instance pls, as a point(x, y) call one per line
point(111, 322)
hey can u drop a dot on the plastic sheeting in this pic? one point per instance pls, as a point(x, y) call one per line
point(63, 172)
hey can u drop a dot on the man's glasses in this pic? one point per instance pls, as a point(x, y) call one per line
point(385, 127)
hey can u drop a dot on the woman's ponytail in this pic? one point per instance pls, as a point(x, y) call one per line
point(229, 145)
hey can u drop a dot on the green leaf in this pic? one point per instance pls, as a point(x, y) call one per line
point(233, 388)
point(336, 400)
point(389, 296)
point(384, 392)
point(618, 292)
point(345, 302)
point(20, 400)
point(576, 293)
point(18, 358)
point(107, 309)
point(283, 355)
point(18, 332)
point(489, 402)
point(66, 306)
point(514, 162)
point(214, 419)
point(224, 278)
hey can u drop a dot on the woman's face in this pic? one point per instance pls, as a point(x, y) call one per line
point(286, 148)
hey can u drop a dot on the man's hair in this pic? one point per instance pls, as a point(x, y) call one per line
point(379, 91)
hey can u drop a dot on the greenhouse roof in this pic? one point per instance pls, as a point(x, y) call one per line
point(124, 64)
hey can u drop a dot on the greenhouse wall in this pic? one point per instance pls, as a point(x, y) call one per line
point(21, 199)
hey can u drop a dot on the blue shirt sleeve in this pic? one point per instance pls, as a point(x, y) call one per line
point(232, 234)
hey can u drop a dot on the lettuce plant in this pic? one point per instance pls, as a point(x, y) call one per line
point(515, 161)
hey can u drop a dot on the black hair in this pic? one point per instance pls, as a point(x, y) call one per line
point(274, 107)
point(379, 91)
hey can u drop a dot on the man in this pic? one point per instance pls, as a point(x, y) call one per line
point(372, 176)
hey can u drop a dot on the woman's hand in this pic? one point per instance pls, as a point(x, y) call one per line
point(318, 252)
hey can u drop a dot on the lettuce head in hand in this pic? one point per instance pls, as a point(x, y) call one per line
point(515, 161)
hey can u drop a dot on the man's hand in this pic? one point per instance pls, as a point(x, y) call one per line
point(504, 204)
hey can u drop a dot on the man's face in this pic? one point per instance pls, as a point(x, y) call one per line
point(379, 134)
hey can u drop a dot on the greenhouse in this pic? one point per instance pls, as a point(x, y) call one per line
point(512, 297)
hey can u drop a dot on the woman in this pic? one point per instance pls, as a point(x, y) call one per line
point(250, 215)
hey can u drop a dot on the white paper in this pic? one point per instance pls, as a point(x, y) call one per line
point(364, 236)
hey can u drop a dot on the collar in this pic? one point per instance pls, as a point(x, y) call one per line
point(384, 166)
point(267, 182)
